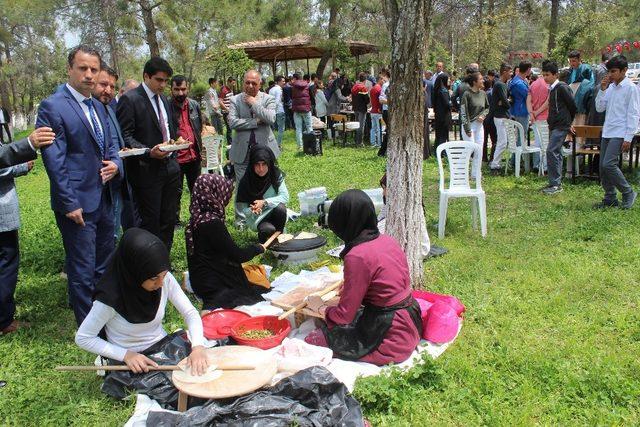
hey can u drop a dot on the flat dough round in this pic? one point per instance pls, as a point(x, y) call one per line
point(211, 374)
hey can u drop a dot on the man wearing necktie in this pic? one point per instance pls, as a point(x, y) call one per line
point(125, 214)
point(251, 115)
point(155, 175)
point(80, 163)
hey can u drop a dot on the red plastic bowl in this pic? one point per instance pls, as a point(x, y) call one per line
point(217, 324)
point(280, 329)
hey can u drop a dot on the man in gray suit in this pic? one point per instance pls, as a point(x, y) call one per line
point(25, 149)
point(10, 222)
point(251, 115)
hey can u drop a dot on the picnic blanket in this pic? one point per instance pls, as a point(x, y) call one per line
point(294, 354)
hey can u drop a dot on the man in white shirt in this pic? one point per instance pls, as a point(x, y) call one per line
point(621, 100)
point(212, 102)
point(276, 92)
point(80, 163)
point(5, 124)
point(155, 175)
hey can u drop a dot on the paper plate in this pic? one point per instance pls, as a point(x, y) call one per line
point(217, 324)
point(132, 152)
point(174, 147)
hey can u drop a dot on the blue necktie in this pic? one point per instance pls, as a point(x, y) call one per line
point(96, 126)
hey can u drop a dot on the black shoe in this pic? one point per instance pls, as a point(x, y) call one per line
point(607, 204)
point(628, 200)
point(552, 189)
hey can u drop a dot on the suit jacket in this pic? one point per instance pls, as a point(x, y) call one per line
point(9, 209)
point(121, 184)
point(141, 129)
point(244, 118)
point(73, 161)
point(16, 153)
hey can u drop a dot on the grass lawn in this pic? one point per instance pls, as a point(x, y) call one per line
point(551, 332)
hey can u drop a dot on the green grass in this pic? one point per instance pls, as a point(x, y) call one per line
point(551, 332)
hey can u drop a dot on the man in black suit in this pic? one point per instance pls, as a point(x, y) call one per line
point(5, 121)
point(154, 176)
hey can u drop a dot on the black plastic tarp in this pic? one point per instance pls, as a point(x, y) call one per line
point(312, 397)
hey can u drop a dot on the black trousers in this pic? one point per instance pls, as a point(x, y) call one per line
point(490, 131)
point(426, 143)
point(225, 117)
point(192, 171)
point(442, 134)
point(273, 222)
point(4, 127)
point(9, 261)
point(387, 122)
point(156, 202)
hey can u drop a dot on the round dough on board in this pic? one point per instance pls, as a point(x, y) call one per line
point(211, 374)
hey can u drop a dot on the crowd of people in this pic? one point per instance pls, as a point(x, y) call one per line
point(579, 95)
point(119, 284)
point(300, 98)
point(117, 211)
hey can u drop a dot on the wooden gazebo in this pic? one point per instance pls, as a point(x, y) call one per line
point(295, 47)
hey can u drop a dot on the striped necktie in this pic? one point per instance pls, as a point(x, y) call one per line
point(96, 125)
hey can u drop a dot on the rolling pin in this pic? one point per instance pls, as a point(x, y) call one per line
point(303, 304)
point(223, 367)
point(271, 239)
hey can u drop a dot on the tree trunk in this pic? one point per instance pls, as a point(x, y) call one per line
point(404, 163)
point(109, 8)
point(149, 27)
point(332, 31)
point(553, 25)
point(514, 22)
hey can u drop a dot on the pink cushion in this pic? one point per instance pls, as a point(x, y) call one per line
point(441, 323)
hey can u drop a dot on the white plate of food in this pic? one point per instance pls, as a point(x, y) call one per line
point(174, 147)
point(128, 152)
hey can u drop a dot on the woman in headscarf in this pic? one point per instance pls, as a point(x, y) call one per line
point(214, 259)
point(125, 321)
point(262, 194)
point(376, 276)
point(441, 103)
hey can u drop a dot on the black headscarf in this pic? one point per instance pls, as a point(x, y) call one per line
point(252, 186)
point(352, 217)
point(139, 256)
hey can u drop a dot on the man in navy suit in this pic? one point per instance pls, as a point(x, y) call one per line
point(80, 163)
point(123, 206)
point(154, 176)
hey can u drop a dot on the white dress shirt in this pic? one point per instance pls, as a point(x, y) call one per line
point(2, 119)
point(136, 337)
point(85, 109)
point(383, 96)
point(276, 92)
point(151, 96)
point(622, 105)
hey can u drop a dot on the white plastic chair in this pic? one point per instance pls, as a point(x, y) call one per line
point(541, 131)
point(514, 129)
point(213, 151)
point(459, 158)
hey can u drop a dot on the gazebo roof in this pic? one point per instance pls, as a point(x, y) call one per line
point(294, 47)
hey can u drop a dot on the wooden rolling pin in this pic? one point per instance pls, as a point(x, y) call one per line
point(303, 304)
point(223, 367)
point(271, 239)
